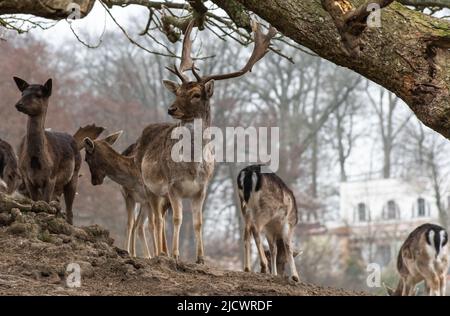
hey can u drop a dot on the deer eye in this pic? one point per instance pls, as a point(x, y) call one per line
point(196, 96)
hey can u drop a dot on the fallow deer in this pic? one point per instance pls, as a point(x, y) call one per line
point(423, 257)
point(178, 180)
point(49, 162)
point(104, 161)
point(268, 206)
point(9, 171)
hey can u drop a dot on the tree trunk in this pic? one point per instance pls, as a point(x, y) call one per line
point(387, 152)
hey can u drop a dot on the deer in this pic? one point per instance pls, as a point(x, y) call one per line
point(178, 180)
point(423, 257)
point(269, 206)
point(49, 162)
point(9, 170)
point(104, 161)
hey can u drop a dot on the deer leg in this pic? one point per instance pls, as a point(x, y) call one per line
point(432, 281)
point(408, 287)
point(33, 191)
point(259, 246)
point(141, 231)
point(49, 188)
point(289, 253)
point(151, 228)
point(443, 284)
point(70, 190)
point(273, 255)
point(130, 205)
point(164, 237)
point(197, 220)
point(247, 248)
point(163, 206)
point(177, 208)
point(154, 213)
point(134, 231)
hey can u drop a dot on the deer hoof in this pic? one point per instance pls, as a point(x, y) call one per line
point(295, 278)
point(246, 269)
point(264, 269)
point(200, 260)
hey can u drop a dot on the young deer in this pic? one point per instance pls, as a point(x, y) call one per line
point(423, 257)
point(268, 206)
point(49, 162)
point(9, 171)
point(177, 180)
point(104, 161)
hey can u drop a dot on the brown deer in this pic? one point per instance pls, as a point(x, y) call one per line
point(423, 257)
point(104, 161)
point(49, 162)
point(268, 206)
point(9, 171)
point(164, 176)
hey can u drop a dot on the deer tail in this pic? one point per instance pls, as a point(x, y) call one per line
point(92, 131)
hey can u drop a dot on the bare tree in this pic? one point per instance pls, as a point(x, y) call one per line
point(426, 155)
point(390, 123)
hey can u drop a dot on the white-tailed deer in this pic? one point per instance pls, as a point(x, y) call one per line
point(268, 206)
point(9, 171)
point(49, 162)
point(178, 180)
point(103, 162)
point(423, 257)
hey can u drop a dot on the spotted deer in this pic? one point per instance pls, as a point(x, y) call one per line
point(9, 171)
point(104, 161)
point(268, 206)
point(49, 162)
point(423, 257)
point(163, 175)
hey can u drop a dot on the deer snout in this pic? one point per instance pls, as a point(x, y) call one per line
point(172, 110)
point(20, 106)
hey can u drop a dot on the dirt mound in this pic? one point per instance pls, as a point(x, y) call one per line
point(37, 246)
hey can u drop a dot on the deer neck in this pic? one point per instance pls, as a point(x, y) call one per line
point(122, 170)
point(205, 118)
point(36, 135)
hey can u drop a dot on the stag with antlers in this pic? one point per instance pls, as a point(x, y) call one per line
point(186, 180)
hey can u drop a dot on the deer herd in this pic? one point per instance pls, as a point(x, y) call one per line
point(48, 163)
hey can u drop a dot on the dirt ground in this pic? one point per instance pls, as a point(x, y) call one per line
point(36, 247)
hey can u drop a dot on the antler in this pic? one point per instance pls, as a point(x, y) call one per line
point(262, 44)
point(186, 59)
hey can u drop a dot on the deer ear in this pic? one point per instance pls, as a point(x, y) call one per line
point(389, 290)
point(21, 84)
point(111, 139)
point(48, 88)
point(209, 88)
point(171, 86)
point(89, 145)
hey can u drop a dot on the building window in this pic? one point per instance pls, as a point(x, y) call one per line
point(420, 207)
point(362, 212)
point(392, 210)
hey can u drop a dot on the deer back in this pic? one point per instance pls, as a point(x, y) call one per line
point(267, 195)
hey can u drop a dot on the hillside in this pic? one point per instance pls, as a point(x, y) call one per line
point(37, 245)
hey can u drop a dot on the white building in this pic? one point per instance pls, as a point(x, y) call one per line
point(379, 214)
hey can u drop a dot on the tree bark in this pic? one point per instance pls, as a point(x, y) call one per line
point(51, 9)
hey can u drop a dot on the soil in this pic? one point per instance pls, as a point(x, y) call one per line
point(37, 245)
